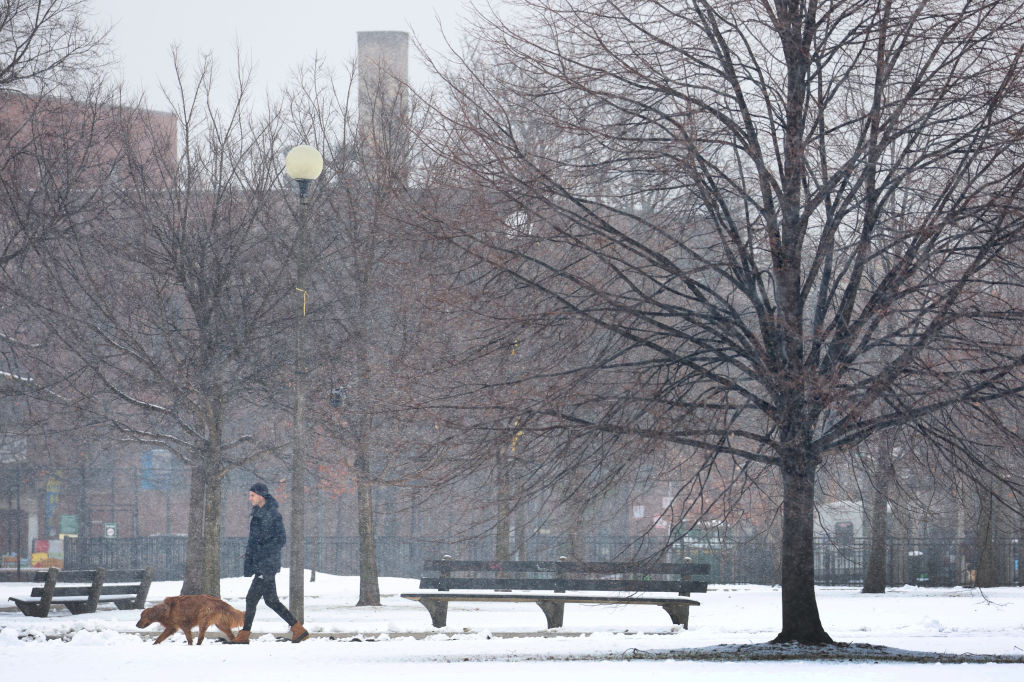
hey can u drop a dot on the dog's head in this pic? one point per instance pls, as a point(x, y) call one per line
point(154, 614)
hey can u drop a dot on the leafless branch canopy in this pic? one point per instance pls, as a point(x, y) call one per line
point(791, 225)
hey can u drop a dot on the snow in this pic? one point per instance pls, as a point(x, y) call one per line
point(510, 642)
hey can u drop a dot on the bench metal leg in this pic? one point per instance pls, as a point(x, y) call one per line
point(680, 614)
point(553, 611)
point(438, 609)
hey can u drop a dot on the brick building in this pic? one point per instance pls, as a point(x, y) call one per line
point(54, 152)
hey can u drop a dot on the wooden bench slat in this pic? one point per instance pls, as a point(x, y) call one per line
point(637, 568)
point(605, 567)
point(84, 590)
point(569, 598)
point(635, 585)
point(481, 583)
point(76, 576)
point(108, 590)
point(124, 576)
point(460, 565)
point(59, 591)
point(565, 584)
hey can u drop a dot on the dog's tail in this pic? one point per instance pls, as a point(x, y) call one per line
point(237, 617)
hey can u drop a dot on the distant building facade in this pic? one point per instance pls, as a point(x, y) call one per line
point(58, 150)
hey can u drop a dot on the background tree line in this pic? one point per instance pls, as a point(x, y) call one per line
point(740, 246)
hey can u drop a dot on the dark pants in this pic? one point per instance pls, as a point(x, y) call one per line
point(265, 587)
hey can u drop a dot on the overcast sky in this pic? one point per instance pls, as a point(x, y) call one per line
point(276, 35)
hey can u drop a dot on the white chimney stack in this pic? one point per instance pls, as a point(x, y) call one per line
point(383, 82)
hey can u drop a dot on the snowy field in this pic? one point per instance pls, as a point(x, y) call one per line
point(499, 642)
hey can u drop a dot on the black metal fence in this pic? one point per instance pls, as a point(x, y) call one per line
point(165, 553)
point(909, 561)
point(913, 561)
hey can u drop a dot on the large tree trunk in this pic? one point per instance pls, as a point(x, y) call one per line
point(212, 470)
point(800, 619)
point(210, 580)
point(520, 531)
point(575, 549)
point(193, 581)
point(202, 549)
point(987, 573)
point(369, 591)
point(875, 573)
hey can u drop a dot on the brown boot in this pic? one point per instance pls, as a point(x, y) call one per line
point(241, 638)
point(299, 633)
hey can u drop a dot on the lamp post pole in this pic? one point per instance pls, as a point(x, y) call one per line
point(304, 164)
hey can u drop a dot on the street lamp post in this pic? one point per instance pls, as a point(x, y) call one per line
point(304, 165)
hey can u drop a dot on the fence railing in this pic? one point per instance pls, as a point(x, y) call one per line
point(909, 561)
point(914, 561)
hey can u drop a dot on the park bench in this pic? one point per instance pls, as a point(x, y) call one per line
point(81, 591)
point(547, 583)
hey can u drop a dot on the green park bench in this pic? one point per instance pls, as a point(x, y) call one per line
point(553, 584)
point(81, 591)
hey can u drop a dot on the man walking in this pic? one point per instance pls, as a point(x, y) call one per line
point(263, 561)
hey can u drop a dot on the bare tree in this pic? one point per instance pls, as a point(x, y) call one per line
point(370, 295)
point(882, 482)
point(55, 132)
point(47, 43)
point(52, 102)
point(171, 308)
point(754, 202)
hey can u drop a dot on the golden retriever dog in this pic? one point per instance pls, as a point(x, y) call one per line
point(191, 610)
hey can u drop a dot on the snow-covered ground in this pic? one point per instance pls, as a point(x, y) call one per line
point(500, 642)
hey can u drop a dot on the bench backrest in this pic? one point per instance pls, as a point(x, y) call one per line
point(92, 583)
point(76, 576)
point(88, 575)
point(559, 576)
point(104, 590)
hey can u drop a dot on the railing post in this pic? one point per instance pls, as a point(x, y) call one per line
point(560, 574)
point(446, 573)
point(685, 577)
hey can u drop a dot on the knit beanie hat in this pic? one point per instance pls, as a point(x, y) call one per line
point(260, 489)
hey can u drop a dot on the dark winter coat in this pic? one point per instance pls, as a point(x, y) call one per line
point(266, 538)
